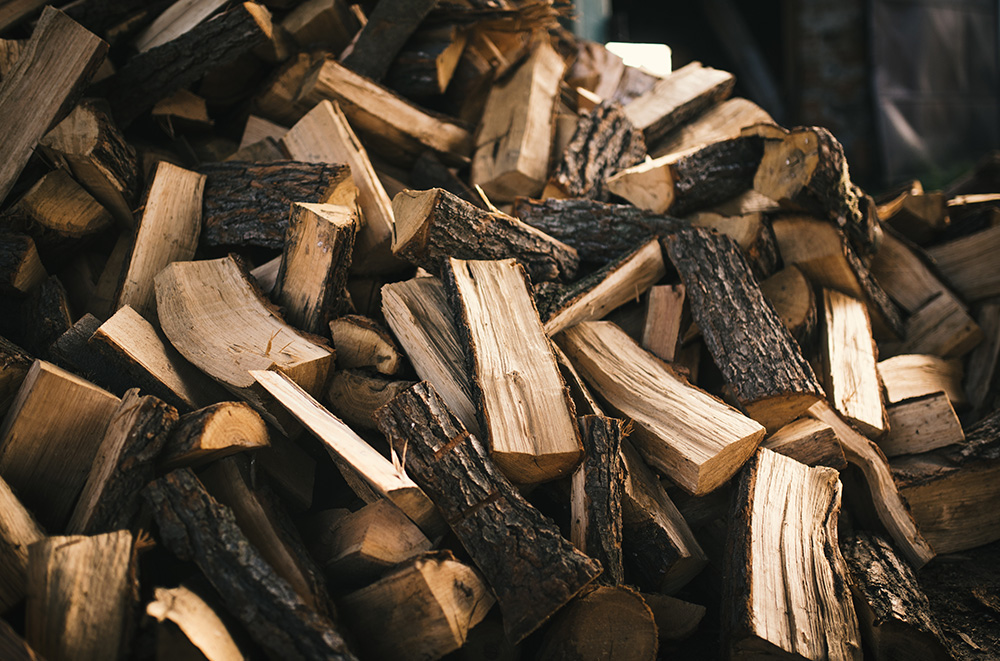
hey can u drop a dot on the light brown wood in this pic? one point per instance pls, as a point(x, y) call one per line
point(181, 111)
point(514, 139)
point(915, 375)
point(21, 269)
point(50, 437)
point(80, 593)
point(791, 294)
point(722, 121)
point(328, 24)
point(612, 623)
point(197, 621)
point(920, 425)
point(18, 531)
point(355, 395)
point(10, 51)
point(276, 99)
point(257, 128)
point(61, 207)
point(167, 232)
point(695, 439)
point(527, 416)
point(942, 327)
point(903, 275)
point(968, 264)
point(675, 619)
point(808, 441)
point(361, 342)
point(214, 432)
point(177, 19)
point(751, 231)
point(662, 327)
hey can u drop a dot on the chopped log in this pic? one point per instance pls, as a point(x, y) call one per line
point(612, 623)
point(678, 98)
point(599, 232)
point(433, 225)
point(325, 136)
point(390, 126)
point(327, 24)
point(661, 331)
point(890, 506)
point(695, 439)
point(197, 622)
point(18, 531)
point(361, 342)
point(106, 19)
point(276, 99)
point(531, 567)
point(680, 184)
point(751, 232)
point(755, 352)
point(596, 496)
point(314, 264)
point(942, 327)
point(179, 18)
point(246, 204)
point(426, 64)
point(423, 610)
point(895, 616)
point(808, 441)
point(920, 425)
point(908, 376)
point(60, 210)
point(354, 396)
point(212, 433)
point(10, 51)
point(102, 298)
point(50, 437)
point(791, 295)
point(980, 375)
point(967, 264)
point(387, 478)
point(659, 547)
point(195, 527)
point(166, 232)
point(514, 140)
point(43, 316)
point(787, 591)
point(380, 40)
point(420, 317)
point(158, 72)
point(257, 129)
point(610, 287)
point(181, 112)
point(903, 274)
point(89, 144)
point(14, 366)
point(722, 121)
point(849, 356)
point(266, 274)
point(80, 593)
point(429, 172)
point(56, 65)
point(527, 416)
point(214, 317)
point(134, 350)
point(603, 143)
point(21, 270)
point(675, 619)
point(71, 352)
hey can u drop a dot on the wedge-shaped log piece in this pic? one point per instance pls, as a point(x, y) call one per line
point(167, 232)
point(433, 225)
point(751, 231)
point(215, 317)
point(214, 432)
point(388, 479)
point(21, 269)
point(18, 531)
point(755, 352)
point(124, 465)
point(197, 621)
point(418, 313)
point(915, 375)
point(56, 65)
point(722, 121)
point(389, 27)
point(50, 437)
point(849, 354)
point(354, 396)
point(675, 619)
point(525, 411)
point(967, 264)
point(612, 623)
point(808, 441)
point(896, 618)
point(60, 210)
point(791, 295)
point(362, 342)
point(427, 63)
point(44, 316)
point(328, 24)
point(903, 274)
point(80, 596)
point(695, 439)
point(175, 21)
point(920, 425)
point(662, 326)
point(680, 184)
point(325, 136)
point(658, 543)
point(314, 264)
point(942, 327)
point(531, 567)
point(514, 140)
point(195, 527)
point(677, 98)
point(890, 507)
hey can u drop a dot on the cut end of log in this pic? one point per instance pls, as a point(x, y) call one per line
point(775, 412)
point(411, 210)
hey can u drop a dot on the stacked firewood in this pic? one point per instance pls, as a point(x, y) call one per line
point(411, 328)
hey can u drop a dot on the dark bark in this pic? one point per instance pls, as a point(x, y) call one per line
point(72, 352)
point(197, 528)
point(45, 316)
point(14, 365)
point(185, 441)
point(414, 73)
point(247, 204)
point(15, 249)
point(714, 174)
point(532, 569)
point(99, 16)
point(887, 322)
point(603, 477)
point(758, 357)
point(389, 26)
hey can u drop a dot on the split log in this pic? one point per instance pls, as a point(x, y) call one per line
point(426, 64)
point(677, 98)
point(354, 396)
point(266, 274)
point(722, 121)
point(50, 437)
point(18, 531)
point(315, 259)
point(380, 40)
point(71, 352)
point(755, 352)
point(61, 211)
point(14, 366)
point(423, 610)
point(182, 112)
point(514, 139)
point(257, 129)
point(276, 99)
point(980, 375)
point(56, 65)
point(808, 441)
point(246, 204)
point(680, 184)
point(327, 24)
point(661, 331)
point(967, 264)
point(429, 172)
point(531, 567)
point(751, 231)
point(791, 295)
point(695, 439)
point(908, 376)
point(21, 269)
point(433, 225)
point(10, 51)
point(197, 528)
point(175, 21)
point(166, 232)
point(941, 327)
point(197, 622)
point(212, 433)
point(44, 316)
point(675, 619)
point(80, 593)
point(361, 342)
point(787, 590)
point(528, 419)
point(124, 465)
point(903, 274)
point(103, 295)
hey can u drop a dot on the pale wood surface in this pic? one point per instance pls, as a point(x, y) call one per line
point(197, 620)
point(18, 531)
point(942, 327)
point(214, 432)
point(719, 122)
point(177, 19)
point(361, 342)
point(920, 425)
point(915, 375)
point(791, 294)
point(60, 205)
point(969, 264)
point(355, 395)
point(903, 275)
point(808, 441)
point(662, 327)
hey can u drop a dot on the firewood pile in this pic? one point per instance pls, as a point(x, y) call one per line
point(416, 329)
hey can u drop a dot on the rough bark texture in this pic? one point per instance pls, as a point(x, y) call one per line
point(531, 567)
point(389, 26)
point(755, 352)
point(99, 16)
point(45, 316)
point(600, 232)
point(14, 365)
point(247, 204)
point(603, 477)
point(197, 528)
point(886, 318)
point(17, 252)
point(604, 143)
point(714, 174)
